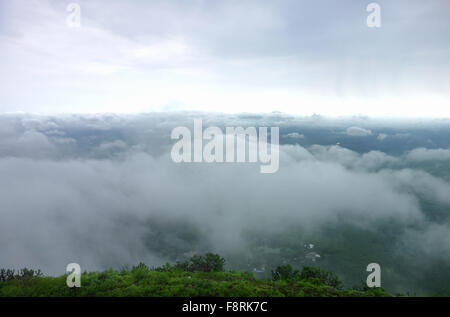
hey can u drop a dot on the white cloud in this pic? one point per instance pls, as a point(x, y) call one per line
point(357, 131)
point(423, 154)
point(372, 160)
point(402, 135)
point(294, 135)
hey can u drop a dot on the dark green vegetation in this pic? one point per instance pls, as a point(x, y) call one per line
point(200, 276)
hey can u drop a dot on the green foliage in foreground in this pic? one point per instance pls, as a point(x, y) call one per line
point(200, 276)
point(309, 273)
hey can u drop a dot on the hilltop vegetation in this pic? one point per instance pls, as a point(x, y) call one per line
point(200, 276)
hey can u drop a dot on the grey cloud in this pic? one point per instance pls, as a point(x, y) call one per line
point(271, 46)
point(421, 182)
point(73, 209)
point(84, 197)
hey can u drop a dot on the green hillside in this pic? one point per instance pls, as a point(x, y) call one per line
point(200, 276)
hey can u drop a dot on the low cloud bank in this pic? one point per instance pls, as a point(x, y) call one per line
point(423, 154)
point(61, 203)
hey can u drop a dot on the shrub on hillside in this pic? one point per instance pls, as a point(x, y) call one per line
point(284, 272)
point(324, 276)
point(309, 273)
point(198, 263)
point(8, 275)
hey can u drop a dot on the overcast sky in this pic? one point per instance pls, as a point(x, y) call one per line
point(294, 56)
